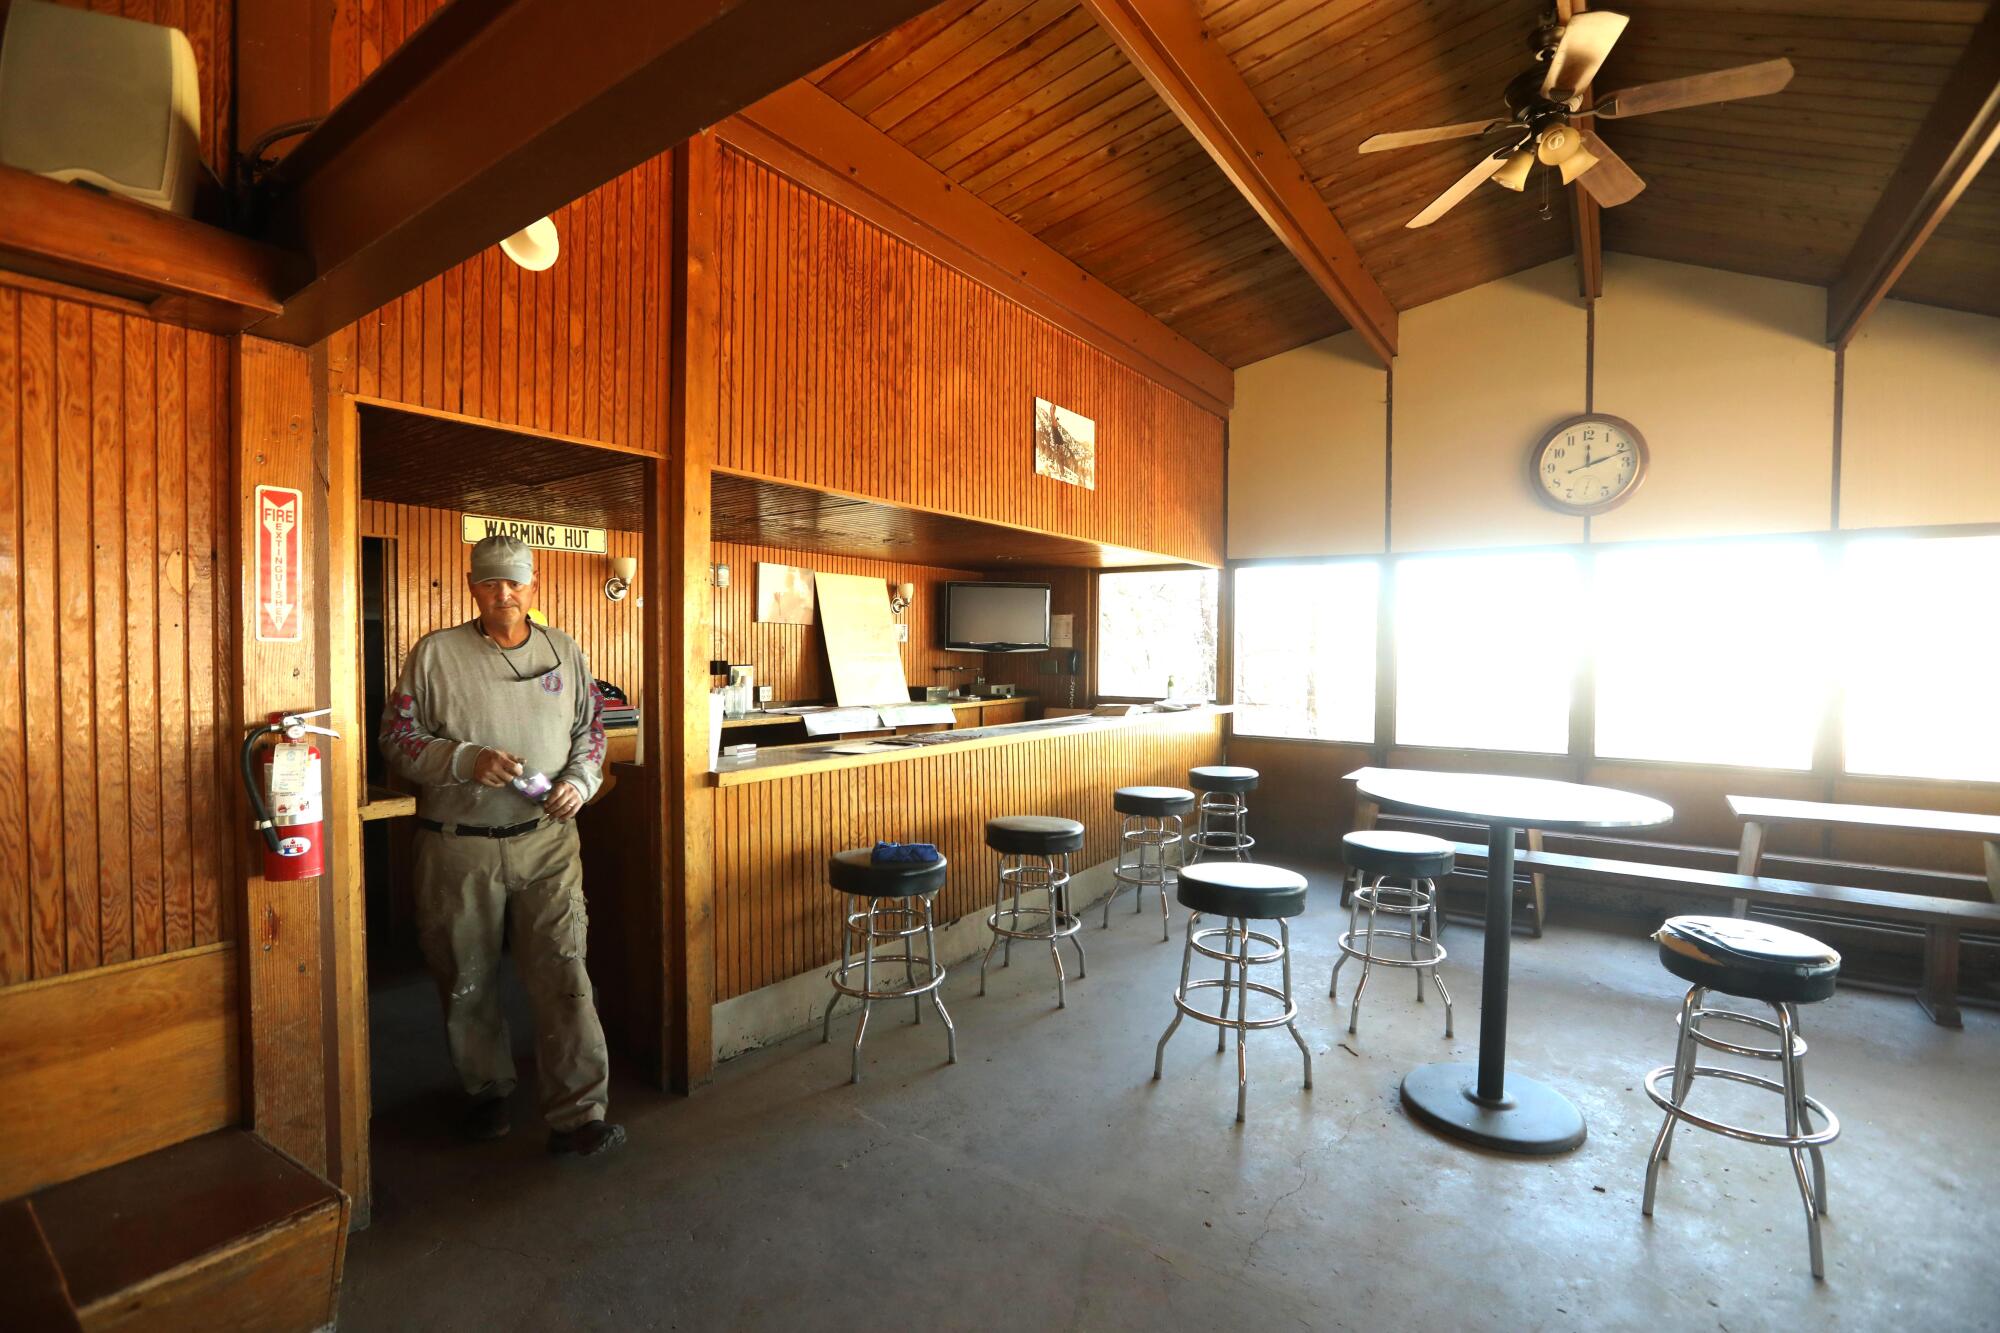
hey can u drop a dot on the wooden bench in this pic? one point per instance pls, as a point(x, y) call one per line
point(1940, 918)
point(128, 1196)
point(1758, 813)
point(222, 1231)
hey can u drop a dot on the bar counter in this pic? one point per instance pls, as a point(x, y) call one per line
point(782, 814)
point(824, 756)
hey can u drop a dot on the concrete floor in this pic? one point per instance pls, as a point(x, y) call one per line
point(1046, 1182)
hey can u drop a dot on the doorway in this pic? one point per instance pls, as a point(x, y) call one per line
point(417, 478)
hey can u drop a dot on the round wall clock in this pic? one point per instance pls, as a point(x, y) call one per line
point(1588, 464)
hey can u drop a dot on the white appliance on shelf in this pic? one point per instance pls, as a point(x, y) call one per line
point(109, 101)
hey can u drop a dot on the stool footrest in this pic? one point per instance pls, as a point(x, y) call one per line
point(933, 975)
point(1347, 946)
point(1666, 1103)
point(1213, 1020)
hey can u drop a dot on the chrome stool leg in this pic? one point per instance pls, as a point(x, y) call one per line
point(1235, 938)
point(1148, 839)
point(937, 992)
point(1416, 904)
point(1222, 826)
point(1030, 872)
point(874, 924)
point(1799, 1137)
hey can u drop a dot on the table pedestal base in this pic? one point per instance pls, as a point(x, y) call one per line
point(1534, 1119)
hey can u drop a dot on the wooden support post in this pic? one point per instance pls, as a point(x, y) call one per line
point(684, 487)
point(1538, 887)
point(1939, 994)
point(287, 1055)
point(346, 789)
point(1751, 854)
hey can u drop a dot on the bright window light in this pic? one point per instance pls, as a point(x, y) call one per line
point(1711, 654)
point(1486, 650)
point(1156, 628)
point(1305, 650)
point(1923, 657)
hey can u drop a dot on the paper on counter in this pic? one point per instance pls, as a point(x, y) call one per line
point(863, 747)
point(836, 720)
point(918, 715)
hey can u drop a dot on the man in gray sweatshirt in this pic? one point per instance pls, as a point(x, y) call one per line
point(479, 705)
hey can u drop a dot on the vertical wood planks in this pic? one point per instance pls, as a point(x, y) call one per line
point(854, 362)
point(115, 812)
point(775, 916)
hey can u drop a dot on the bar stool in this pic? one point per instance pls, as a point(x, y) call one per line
point(907, 887)
point(1753, 961)
point(1240, 892)
point(1418, 861)
point(1147, 812)
point(1222, 825)
point(1034, 855)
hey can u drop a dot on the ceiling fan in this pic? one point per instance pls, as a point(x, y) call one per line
point(1549, 114)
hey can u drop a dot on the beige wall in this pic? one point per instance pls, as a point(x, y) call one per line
point(1920, 422)
point(1305, 450)
point(1728, 377)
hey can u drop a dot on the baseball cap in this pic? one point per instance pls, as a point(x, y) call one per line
point(501, 557)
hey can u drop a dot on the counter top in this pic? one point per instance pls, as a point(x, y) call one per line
point(763, 719)
point(822, 757)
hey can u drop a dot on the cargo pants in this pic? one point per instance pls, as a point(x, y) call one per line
point(466, 889)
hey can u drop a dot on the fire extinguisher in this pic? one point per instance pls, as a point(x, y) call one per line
point(284, 788)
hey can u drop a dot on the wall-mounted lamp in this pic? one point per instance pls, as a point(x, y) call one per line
point(718, 576)
point(905, 594)
point(535, 246)
point(624, 568)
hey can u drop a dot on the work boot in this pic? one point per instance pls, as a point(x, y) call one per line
point(485, 1120)
point(587, 1139)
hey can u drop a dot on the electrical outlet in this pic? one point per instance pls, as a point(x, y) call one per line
point(902, 634)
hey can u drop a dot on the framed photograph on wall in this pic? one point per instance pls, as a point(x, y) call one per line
point(784, 594)
point(1065, 445)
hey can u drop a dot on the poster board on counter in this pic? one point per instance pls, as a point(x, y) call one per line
point(859, 631)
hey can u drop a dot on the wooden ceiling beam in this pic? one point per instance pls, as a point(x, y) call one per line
point(1166, 41)
point(1957, 138)
point(497, 112)
point(803, 133)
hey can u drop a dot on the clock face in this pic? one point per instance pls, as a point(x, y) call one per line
point(1588, 464)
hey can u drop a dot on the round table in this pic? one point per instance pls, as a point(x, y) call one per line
point(1480, 1103)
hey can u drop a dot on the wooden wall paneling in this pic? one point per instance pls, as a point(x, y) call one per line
point(105, 735)
point(793, 258)
point(290, 1056)
point(775, 917)
point(102, 1066)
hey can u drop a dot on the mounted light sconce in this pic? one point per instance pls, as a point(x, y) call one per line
point(905, 594)
point(535, 246)
point(718, 576)
point(624, 568)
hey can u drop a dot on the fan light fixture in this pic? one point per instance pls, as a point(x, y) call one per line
point(1514, 176)
point(535, 246)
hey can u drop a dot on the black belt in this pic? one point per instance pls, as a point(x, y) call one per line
point(480, 830)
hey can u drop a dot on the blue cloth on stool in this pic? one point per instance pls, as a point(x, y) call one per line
point(891, 853)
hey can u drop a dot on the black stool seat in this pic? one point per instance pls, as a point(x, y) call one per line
point(1242, 889)
point(1034, 835)
point(853, 872)
point(1153, 801)
point(1748, 958)
point(1222, 777)
point(1407, 855)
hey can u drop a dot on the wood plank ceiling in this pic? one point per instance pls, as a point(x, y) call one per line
point(1027, 104)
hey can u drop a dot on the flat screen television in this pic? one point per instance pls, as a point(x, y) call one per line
point(996, 617)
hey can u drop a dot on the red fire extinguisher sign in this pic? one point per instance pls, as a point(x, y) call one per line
point(280, 523)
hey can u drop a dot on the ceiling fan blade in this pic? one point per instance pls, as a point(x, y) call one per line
point(1587, 39)
point(1465, 185)
point(1610, 181)
point(1378, 143)
point(1722, 85)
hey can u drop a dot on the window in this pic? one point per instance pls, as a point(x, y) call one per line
point(1711, 654)
point(1156, 628)
point(1305, 650)
point(1486, 650)
point(1922, 657)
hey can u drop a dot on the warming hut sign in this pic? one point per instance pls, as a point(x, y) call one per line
point(280, 564)
point(533, 532)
